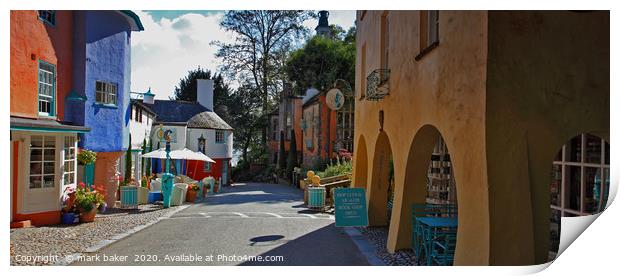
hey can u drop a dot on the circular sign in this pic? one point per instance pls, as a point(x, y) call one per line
point(334, 99)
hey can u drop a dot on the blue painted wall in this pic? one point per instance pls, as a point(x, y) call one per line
point(102, 51)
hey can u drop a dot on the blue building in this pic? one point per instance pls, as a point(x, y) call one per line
point(101, 83)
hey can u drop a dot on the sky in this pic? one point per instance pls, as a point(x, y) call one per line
point(174, 42)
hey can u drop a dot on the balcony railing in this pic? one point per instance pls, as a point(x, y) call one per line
point(377, 84)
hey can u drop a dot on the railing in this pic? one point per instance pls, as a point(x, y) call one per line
point(377, 84)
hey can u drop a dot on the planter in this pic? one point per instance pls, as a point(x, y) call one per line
point(103, 207)
point(191, 195)
point(69, 202)
point(69, 218)
point(88, 216)
point(216, 187)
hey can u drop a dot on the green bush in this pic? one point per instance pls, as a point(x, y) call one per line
point(338, 168)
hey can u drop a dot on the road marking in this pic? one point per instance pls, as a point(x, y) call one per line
point(309, 215)
point(241, 215)
point(275, 215)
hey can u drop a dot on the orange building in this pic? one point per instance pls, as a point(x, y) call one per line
point(285, 118)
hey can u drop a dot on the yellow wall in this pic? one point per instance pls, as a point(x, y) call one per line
point(505, 90)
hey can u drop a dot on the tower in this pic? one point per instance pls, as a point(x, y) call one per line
point(323, 27)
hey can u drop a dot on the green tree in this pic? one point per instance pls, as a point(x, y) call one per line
point(256, 57)
point(148, 161)
point(292, 156)
point(245, 113)
point(186, 90)
point(128, 163)
point(321, 61)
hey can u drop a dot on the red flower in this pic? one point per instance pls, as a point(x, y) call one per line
point(82, 185)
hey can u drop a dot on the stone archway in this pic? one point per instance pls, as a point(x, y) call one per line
point(379, 184)
point(360, 179)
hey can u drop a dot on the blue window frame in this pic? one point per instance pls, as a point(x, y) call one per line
point(47, 89)
point(219, 137)
point(48, 17)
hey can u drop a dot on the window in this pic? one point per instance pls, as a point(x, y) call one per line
point(138, 114)
point(219, 136)
point(69, 157)
point(429, 32)
point(47, 88)
point(105, 93)
point(579, 181)
point(48, 17)
point(207, 167)
point(344, 127)
point(385, 40)
point(42, 161)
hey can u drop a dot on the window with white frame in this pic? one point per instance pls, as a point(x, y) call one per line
point(344, 127)
point(579, 181)
point(105, 92)
point(48, 16)
point(42, 161)
point(69, 157)
point(47, 88)
point(207, 167)
point(219, 136)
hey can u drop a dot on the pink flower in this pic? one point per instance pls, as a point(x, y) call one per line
point(82, 185)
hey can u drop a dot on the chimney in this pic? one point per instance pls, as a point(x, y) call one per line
point(204, 93)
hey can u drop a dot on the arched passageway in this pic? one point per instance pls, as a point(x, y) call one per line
point(361, 164)
point(579, 182)
point(428, 190)
point(378, 192)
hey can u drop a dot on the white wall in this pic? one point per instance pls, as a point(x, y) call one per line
point(142, 130)
point(214, 150)
point(180, 137)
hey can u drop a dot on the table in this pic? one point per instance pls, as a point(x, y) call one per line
point(430, 228)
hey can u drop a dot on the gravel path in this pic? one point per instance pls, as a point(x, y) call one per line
point(378, 237)
point(50, 244)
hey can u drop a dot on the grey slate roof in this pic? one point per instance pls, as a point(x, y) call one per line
point(191, 113)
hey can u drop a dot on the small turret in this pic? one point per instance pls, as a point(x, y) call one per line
point(323, 27)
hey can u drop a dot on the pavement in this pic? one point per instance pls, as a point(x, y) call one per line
point(246, 224)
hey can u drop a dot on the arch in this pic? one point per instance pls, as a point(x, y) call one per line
point(579, 183)
point(413, 189)
point(378, 190)
point(360, 174)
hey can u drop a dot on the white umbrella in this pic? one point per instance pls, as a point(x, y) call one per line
point(184, 154)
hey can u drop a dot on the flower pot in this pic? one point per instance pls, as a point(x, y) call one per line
point(191, 195)
point(69, 202)
point(88, 216)
point(69, 218)
point(103, 207)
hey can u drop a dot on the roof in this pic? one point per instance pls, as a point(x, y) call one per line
point(208, 119)
point(143, 105)
point(187, 113)
point(175, 111)
point(18, 123)
point(133, 19)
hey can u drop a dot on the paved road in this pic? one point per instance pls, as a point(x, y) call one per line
point(245, 222)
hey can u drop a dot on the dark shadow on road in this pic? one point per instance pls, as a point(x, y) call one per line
point(327, 246)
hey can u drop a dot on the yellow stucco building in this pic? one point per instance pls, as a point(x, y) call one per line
point(505, 90)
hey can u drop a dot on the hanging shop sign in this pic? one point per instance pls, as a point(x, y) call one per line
point(335, 99)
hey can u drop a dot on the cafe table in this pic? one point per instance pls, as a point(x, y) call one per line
point(432, 228)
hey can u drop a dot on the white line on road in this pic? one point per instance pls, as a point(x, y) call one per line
point(309, 215)
point(275, 215)
point(241, 215)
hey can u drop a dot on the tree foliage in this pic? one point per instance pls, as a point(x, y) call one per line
point(323, 60)
point(187, 89)
point(245, 114)
point(257, 55)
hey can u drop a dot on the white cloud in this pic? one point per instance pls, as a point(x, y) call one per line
point(166, 49)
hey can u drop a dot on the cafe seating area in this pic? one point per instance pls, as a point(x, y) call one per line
point(434, 233)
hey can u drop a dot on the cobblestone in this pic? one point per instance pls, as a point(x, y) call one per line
point(378, 238)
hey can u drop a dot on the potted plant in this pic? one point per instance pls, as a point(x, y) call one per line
point(87, 201)
point(206, 188)
point(68, 214)
point(192, 191)
point(86, 157)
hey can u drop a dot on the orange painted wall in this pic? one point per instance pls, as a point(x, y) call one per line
point(32, 38)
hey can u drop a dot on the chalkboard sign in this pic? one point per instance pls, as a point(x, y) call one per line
point(350, 206)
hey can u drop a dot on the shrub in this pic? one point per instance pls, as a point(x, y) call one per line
point(86, 157)
point(339, 168)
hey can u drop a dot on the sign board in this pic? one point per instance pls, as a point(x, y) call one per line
point(334, 99)
point(350, 207)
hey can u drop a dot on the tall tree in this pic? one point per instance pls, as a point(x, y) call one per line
point(245, 114)
point(321, 61)
point(262, 39)
point(187, 90)
point(127, 178)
